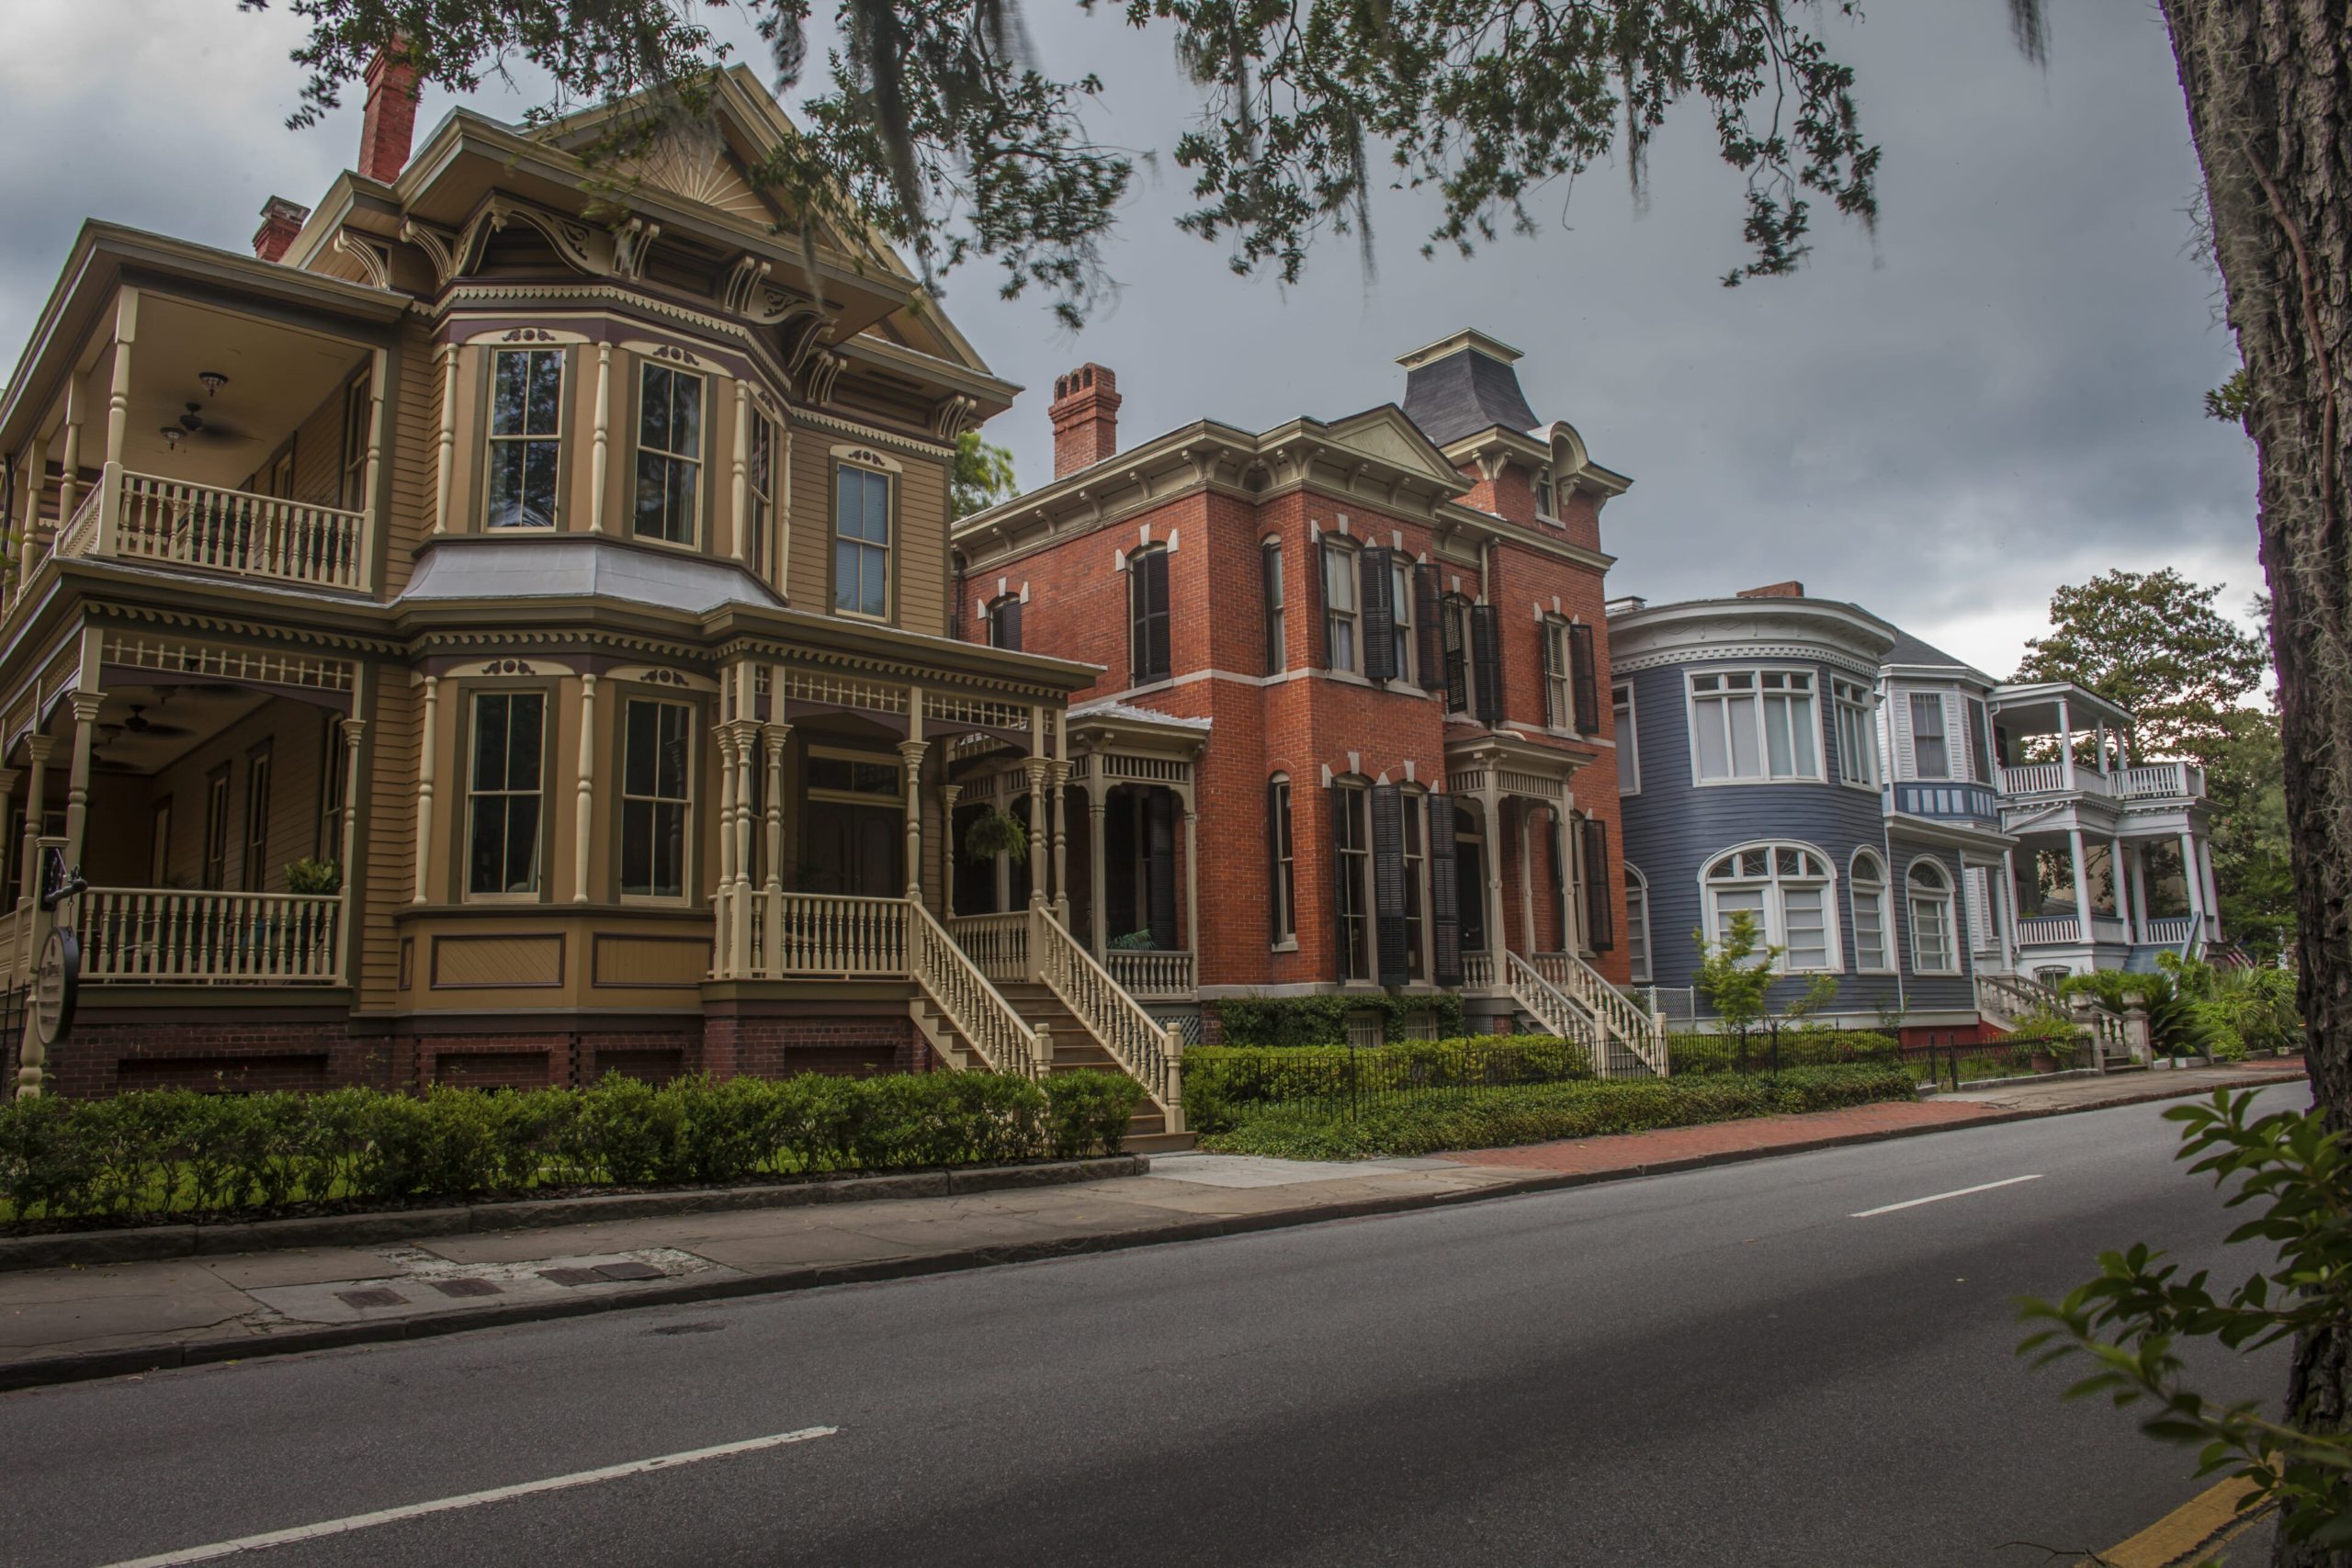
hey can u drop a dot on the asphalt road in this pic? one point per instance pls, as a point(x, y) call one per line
point(1722, 1367)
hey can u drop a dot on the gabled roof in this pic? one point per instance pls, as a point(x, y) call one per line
point(1911, 651)
point(1463, 385)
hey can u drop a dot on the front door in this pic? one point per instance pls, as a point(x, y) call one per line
point(855, 850)
point(1470, 906)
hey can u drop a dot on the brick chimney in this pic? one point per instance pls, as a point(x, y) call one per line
point(281, 220)
point(1789, 590)
point(1086, 418)
point(391, 122)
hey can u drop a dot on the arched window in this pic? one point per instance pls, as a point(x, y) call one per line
point(1866, 885)
point(1788, 889)
point(1147, 615)
point(1637, 924)
point(1929, 886)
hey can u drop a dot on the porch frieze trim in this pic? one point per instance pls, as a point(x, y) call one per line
point(223, 625)
point(449, 640)
point(895, 671)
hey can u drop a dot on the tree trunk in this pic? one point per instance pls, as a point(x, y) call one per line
point(2269, 91)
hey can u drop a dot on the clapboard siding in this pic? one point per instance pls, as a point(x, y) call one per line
point(390, 827)
point(414, 454)
point(1934, 993)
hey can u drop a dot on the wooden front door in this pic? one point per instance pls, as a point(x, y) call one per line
point(855, 850)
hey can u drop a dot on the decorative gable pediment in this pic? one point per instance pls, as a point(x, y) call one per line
point(1385, 435)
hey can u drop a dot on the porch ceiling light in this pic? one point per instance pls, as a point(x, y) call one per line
point(172, 433)
point(213, 381)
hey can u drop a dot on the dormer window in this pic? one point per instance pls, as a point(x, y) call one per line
point(669, 454)
point(526, 436)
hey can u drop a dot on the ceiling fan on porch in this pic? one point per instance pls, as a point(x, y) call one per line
point(138, 722)
point(192, 426)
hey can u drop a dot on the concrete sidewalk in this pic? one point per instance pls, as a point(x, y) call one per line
point(64, 1324)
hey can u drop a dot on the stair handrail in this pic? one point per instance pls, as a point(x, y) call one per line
point(947, 974)
point(2020, 996)
point(1145, 1049)
point(1554, 1011)
point(1636, 1029)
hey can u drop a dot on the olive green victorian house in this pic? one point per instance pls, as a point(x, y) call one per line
point(499, 634)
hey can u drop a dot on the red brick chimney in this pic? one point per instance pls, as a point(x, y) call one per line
point(1789, 590)
point(281, 220)
point(1086, 418)
point(391, 122)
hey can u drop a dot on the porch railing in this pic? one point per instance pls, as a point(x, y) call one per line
point(1149, 1052)
point(1150, 973)
point(142, 935)
point(2037, 930)
point(948, 975)
point(224, 530)
point(1477, 970)
point(1638, 1031)
point(998, 943)
point(1558, 1015)
point(2172, 930)
point(2010, 1000)
point(827, 935)
point(2161, 780)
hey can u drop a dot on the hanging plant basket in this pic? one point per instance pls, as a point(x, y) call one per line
point(997, 833)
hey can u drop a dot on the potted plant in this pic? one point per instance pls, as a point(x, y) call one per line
point(997, 832)
point(310, 876)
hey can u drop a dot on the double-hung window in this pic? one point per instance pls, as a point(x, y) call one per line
point(1867, 883)
point(1416, 861)
point(1930, 753)
point(1004, 623)
point(1270, 573)
point(1857, 742)
point(1629, 762)
point(1340, 608)
point(669, 453)
point(216, 828)
point(1400, 615)
point(1455, 618)
point(759, 496)
point(1559, 681)
point(1755, 725)
point(503, 790)
point(861, 542)
point(655, 765)
point(1980, 740)
point(526, 436)
point(1285, 915)
point(1637, 927)
point(1149, 652)
point(1933, 950)
point(1352, 835)
point(358, 417)
point(1787, 888)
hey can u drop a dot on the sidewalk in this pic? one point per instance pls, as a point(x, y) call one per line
point(65, 1323)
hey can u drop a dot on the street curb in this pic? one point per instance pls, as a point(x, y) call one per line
point(2185, 1533)
point(152, 1244)
point(83, 1366)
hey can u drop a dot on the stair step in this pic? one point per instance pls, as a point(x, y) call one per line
point(1161, 1144)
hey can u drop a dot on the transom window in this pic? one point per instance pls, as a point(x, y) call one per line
point(1857, 745)
point(655, 757)
point(1867, 880)
point(1755, 724)
point(1930, 753)
point(502, 807)
point(841, 773)
point(861, 542)
point(526, 436)
point(1787, 888)
point(1933, 950)
point(1340, 607)
point(669, 454)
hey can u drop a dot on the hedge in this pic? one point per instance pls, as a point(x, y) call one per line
point(1223, 1083)
point(1293, 1021)
point(1689, 1054)
point(176, 1153)
point(1541, 1112)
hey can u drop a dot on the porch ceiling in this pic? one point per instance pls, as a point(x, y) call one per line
point(277, 375)
point(144, 730)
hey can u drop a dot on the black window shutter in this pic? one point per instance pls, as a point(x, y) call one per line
point(1486, 660)
point(1378, 598)
point(1275, 932)
point(1457, 657)
point(1318, 634)
point(1582, 677)
point(1445, 895)
point(1545, 643)
point(1008, 625)
point(1270, 582)
point(1388, 882)
point(1553, 845)
point(1600, 930)
point(1148, 607)
point(1427, 609)
point(1160, 875)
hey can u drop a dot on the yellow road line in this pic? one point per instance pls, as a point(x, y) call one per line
point(2184, 1531)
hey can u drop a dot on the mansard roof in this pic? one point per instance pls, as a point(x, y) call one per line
point(1463, 384)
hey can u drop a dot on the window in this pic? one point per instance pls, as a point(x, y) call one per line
point(1351, 833)
point(1340, 593)
point(502, 854)
point(1787, 888)
point(861, 542)
point(848, 773)
point(1932, 950)
point(1284, 914)
point(1868, 885)
point(1416, 859)
point(1930, 757)
point(1629, 760)
point(1401, 616)
point(1755, 724)
point(1454, 617)
point(216, 828)
point(1980, 740)
point(1638, 925)
point(1856, 744)
point(1270, 573)
point(359, 418)
point(759, 496)
point(1149, 653)
point(334, 768)
point(1559, 688)
point(526, 436)
point(1544, 496)
point(654, 765)
point(255, 870)
point(1004, 623)
point(669, 453)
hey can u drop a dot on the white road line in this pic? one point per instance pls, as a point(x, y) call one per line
point(469, 1500)
point(1963, 1193)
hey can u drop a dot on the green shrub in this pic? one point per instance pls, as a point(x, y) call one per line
point(1323, 1020)
point(1543, 1112)
point(1221, 1082)
point(1085, 1111)
point(1701, 1053)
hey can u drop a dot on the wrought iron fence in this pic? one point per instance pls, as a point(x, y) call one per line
point(1352, 1081)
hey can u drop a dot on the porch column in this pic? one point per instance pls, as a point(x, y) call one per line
point(2082, 882)
point(445, 460)
point(1061, 844)
point(582, 840)
point(2192, 883)
point(126, 331)
point(29, 465)
point(723, 899)
point(2008, 901)
point(379, 370)
point(600, 442)
point(77, 787)
point(947, 796)
point(2140, 884)
point(1490, 802)
point(2212, 892)
point(739, 489)
point(1098, 812)
point(429, 734)
point(2065, 746)
point(1040, 777)
point(2125, 909)
point(1193, 883)
point(68, 480)
point(347, 898)
point(37, 748)
point(776, 735)
point(1527, 874)
point(913, 750)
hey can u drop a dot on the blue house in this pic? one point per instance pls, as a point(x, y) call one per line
point(1932, 838)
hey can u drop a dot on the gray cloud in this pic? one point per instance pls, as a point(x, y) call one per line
point(1999, 392)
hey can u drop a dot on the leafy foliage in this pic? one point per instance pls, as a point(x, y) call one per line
point(2245, 779)
point(983, 476)
point(1223, 1083)
point(2151, 642)
point(2130, 1322)
point(934, 129)
point(1699, 1053)
point(1323, 1020)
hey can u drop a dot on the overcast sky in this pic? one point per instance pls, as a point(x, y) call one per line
point(1998, 393)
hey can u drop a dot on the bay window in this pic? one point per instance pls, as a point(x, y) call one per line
point(1787, 888)
point(654, 768)
point(1754, 726)
point(503, 792)
point(1857, 742)
point(669, 454)
point(526, 436)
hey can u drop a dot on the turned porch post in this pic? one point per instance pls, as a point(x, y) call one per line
point(126, 331)
point(348, 907)
point(444, 460)
point(427, 738)
point(1040, 778)
point(37, 749)
point(600, 462)
point(584, 811)
point(77, 786)
point(2082, 882)
point(947, 796)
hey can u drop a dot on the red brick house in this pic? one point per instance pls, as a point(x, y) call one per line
point(1350, 732)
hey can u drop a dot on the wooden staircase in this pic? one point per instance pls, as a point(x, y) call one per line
point(1076, 1051)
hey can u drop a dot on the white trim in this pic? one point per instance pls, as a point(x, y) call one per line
point(1626, 742)
point(1638, 885)
point(1763, 745)
point(1892, 960)
point(1775, 914)
point(1951, 922)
